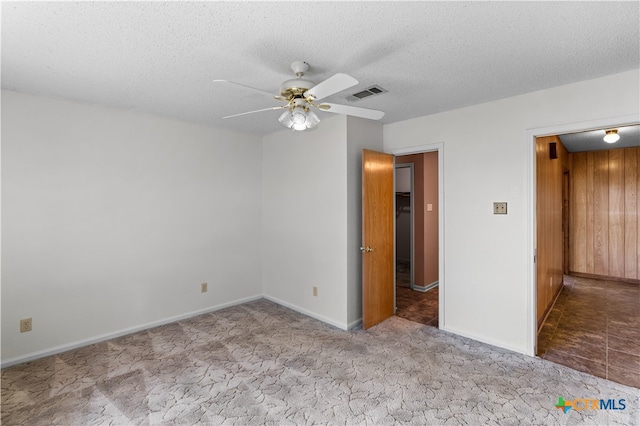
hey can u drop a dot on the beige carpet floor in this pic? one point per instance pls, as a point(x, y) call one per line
point(261, 363)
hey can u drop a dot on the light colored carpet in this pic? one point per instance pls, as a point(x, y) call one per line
point(261, 363)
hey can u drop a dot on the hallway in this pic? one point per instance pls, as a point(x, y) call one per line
point(594, 327)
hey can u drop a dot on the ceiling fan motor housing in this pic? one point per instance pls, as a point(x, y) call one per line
point(295, 87)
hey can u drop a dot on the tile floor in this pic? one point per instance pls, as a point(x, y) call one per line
point(594, 327)
point(417, 306)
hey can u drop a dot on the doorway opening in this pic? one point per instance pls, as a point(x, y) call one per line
point(404, 175)
point(417, 237)
point(586, 243)
point(378, 233)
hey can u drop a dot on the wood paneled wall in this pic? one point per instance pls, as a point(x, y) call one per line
point(605, 213)
point(549, 241)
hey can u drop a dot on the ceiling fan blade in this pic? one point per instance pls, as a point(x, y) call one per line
point(263, 92)
point(258, 110)
point(371, 114)
point(335, 84)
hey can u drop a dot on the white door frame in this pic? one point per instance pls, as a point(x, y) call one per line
point(532, 134)
point(439, 148)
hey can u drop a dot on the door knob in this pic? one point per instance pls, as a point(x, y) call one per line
point(366, 249)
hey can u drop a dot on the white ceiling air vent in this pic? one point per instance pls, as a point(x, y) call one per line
point(369, 91)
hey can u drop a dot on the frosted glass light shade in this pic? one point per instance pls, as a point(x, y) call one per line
point(611, 136)
point(299, 119)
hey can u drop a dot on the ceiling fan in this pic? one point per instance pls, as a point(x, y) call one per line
point(300, 95)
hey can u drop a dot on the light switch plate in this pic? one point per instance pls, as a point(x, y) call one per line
point(500, 208)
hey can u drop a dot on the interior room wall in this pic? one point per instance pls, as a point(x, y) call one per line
point(305, 219)
point(605, 213)
point(487, 153)
point(312, 223)
point(549, 235)
point(112, 219)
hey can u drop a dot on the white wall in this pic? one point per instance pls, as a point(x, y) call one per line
point(304, 220)
point(486, 159)
point(111, 220)
point(312, 223)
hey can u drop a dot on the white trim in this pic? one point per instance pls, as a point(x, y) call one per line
point(425, 288)
point(439, 148)
point(340, 325)
point(108, 336)
point(484, 339)
point(355, 324)
point(395, 249)
point(582, 126)
point(531, 134)
point(531, 245)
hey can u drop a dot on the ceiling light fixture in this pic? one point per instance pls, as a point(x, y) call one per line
point(299, 117)
point(611, 136)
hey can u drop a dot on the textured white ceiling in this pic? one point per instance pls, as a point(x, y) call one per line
point(430, 56)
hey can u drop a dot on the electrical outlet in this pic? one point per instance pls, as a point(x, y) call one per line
point(25, 325)
point(315, 291)
point(203, 288)
point(500, 208)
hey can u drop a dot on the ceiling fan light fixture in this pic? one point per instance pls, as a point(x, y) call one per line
point(611, 136)
point(299, 118)
point(285, 119)
point(312, 119)
point(300, 96)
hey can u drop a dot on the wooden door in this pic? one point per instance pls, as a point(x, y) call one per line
point(377, 237)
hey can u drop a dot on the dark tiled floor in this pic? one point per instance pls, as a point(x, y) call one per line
point(417, 306)
point(594, 327)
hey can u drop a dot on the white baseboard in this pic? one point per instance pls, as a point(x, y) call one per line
point(356, 323)
point(107, 336)
point(483, 339)
point(340, 325)
point(425, 288)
